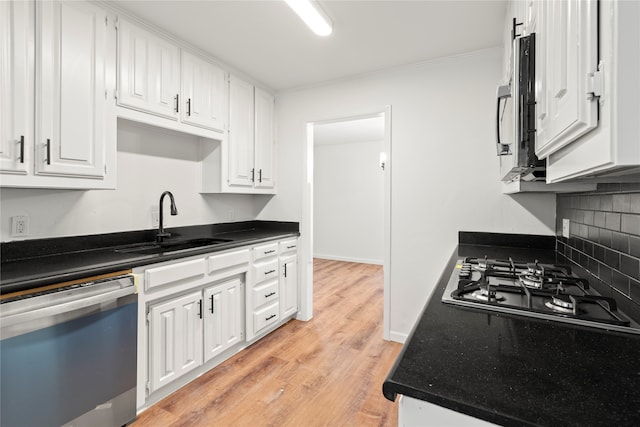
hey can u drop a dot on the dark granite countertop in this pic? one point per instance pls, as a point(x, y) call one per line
point(513, 370)
point(34, 263)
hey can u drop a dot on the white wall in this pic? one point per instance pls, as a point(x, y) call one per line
point(348, 202)
point(149, 161)
point(444, 171)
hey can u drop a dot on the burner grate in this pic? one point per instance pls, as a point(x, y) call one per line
point(532, 289)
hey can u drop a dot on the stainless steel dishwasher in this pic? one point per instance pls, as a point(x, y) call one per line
point(68, 355)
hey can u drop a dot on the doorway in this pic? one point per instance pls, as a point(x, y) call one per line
point(348, 190)
point(347, 137)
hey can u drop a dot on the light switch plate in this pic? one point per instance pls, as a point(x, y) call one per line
point(566, 225)
point(155, 216)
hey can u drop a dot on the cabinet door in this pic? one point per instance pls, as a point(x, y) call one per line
point(570, 52)
point(204, 93)
point(288, 285)
point(241, 161)
point(16, 86)
point(175, 339)
point(148, 72)
point(223, 317)
point(264, 139)
point(71, 49)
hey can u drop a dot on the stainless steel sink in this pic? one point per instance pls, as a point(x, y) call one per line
point(168, 246)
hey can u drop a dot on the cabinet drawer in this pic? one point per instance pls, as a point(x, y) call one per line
point(229, 259)
point(265, 251)
point(265, 270)
point(167, 274)
point(266, 316)
point(265, 294)
point(289, 246)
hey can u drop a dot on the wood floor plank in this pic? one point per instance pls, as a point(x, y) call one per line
point(324, 372)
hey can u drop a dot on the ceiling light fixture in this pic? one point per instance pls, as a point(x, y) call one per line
point(309, 11)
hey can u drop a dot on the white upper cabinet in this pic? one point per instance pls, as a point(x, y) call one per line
point(16, 90)
point(613, 147)
point(161, 84)
point(251, 138)
point(148, 71)
point(264, 139)
point(58, 127)
point(567, 51)
point(241, 133)
point(204, 93)
point(71, 89)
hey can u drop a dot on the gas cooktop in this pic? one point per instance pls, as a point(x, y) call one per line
point(533, 289)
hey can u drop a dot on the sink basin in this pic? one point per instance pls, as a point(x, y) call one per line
point(168, 246)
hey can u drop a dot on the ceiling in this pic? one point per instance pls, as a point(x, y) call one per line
point(267, 41)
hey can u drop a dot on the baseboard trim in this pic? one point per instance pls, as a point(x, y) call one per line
point(398, 337)
point(350, 259)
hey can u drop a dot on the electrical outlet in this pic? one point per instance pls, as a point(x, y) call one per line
point(566, 228)
point(231, 214)
point(155, 217)
point(20, 225)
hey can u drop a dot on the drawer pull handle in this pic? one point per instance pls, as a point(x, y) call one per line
point(48, 146)
point(270, 317)
point(21, 148)
point(212, 303)
point(291, 247)
point(269, 252)
point(269, 294)
point(200, 309)
point(269, 272)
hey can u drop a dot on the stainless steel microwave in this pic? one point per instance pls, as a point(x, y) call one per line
point(516, 119)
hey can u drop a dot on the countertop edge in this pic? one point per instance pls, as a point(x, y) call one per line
point(83, 271)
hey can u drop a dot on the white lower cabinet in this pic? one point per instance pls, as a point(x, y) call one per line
point(265, 316)
point(175, 338)
point(288, 277)
point(274, 291)
point(264, 309)
point(187, 331)
point(197, 311)
point(415, 412)
point(222, 317)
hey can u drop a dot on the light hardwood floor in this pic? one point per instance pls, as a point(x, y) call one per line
point(325, 372)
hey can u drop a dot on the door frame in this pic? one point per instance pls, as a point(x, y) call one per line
point(307, 209)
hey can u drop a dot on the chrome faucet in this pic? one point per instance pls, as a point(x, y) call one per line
point(174, 211)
